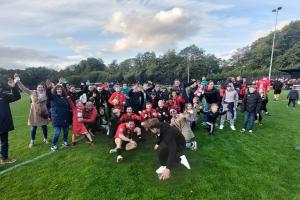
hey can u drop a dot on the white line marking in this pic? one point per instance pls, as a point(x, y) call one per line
point(25, 163)
point(32, 160)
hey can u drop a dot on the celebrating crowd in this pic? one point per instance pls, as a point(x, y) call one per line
point(127, 114)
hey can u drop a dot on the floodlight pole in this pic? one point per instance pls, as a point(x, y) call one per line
point(274, 35)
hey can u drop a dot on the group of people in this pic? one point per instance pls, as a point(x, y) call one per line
point(127, 113)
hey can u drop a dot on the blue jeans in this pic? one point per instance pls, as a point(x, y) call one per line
point(57, 130)
point(251, 117)
point(206, 109)
point(33, 131)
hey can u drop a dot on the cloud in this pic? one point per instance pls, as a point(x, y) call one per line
point(158, 31)
point(19, 57)
point(72, 44)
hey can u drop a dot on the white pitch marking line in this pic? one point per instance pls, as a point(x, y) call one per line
point(30, 161)
point(25, 162)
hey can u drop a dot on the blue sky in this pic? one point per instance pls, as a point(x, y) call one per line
point(60, 33)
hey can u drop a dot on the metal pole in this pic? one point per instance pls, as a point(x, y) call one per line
point(274, 35)
point(189, 60)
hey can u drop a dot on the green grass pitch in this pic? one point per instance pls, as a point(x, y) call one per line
point(229, 165)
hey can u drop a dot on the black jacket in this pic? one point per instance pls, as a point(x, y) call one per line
point(293, 94)
point(171, 138)
point(211, 116)
point(6, 121)
point(277, 85)
point(252, 102)
point(163, 114)
point(212, 96)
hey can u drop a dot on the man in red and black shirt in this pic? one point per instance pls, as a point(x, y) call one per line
point(129, 115)
point(148, 113)
point(124, 137)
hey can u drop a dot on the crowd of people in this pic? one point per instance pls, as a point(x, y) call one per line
point(127, 114)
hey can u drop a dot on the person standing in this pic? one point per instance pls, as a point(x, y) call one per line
point(293, 96)
point(38, 115)
point(212, 96)
point(60, 113)
point(6, 121)
point(229, 102)
point(251, 107)
point(277, 86)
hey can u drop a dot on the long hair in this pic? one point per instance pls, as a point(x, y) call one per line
point(64, 93)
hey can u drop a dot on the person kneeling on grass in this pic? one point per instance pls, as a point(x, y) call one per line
point(6, 121)
point(212, 117)
point(78, 127)
point(124, 138)
point(170, 144)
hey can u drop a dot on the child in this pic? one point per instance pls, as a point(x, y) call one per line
point(118, 99)
point(163, 112)
point(229, 102)
point(78, 126)
point(293, 96)
point(182, 122)
point(193, 115)
point(264, 101)
point(212, 117)
point(251, 106)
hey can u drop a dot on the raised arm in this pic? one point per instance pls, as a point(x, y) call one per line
point(15, 94)
point(24, 88)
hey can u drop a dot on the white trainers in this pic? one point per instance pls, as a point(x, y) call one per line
point(184, 162)
point(232, 128)
point(46, 141)
point(54, 148)
point(221, 127)
point(194, 147)
point(31, 144)
point(113, 151)
point(64, 144)
point(160, 169)
point(243, 130)
point(250, 131)
point(119, 158)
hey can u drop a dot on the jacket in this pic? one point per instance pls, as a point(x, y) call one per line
point(252, 102)
point(293, 94)
point(60, 110)
point(6, 121)
point(170, 138)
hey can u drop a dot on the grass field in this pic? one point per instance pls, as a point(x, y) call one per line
point(230, 165)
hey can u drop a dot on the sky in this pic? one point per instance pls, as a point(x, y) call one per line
point(57, 34)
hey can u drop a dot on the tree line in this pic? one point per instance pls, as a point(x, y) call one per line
point(252, 60)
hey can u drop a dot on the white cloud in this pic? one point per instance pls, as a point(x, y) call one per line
point(72, 44)
point(159, 31)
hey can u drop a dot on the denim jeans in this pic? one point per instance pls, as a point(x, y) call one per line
point(251, 117)
point(57, 130)
point(206, 109)
point(4, 145)
point(33, 131)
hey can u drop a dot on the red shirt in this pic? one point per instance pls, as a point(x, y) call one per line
point(175, 103)
point(148, 114)
point(121, 100)
point(78, 128)
point(263, 83)
point(125, 117)
point(90, 116)
point(124, 130)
